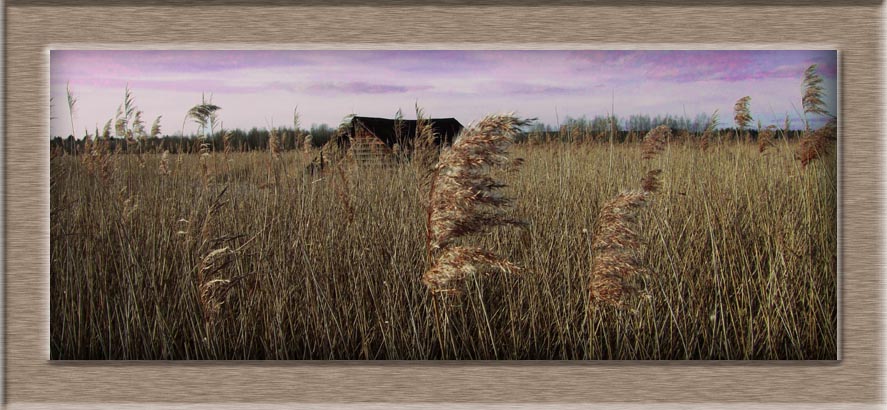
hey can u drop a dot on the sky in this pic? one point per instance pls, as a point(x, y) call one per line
point(261, 89)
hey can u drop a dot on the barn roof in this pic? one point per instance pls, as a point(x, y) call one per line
point(445, 129)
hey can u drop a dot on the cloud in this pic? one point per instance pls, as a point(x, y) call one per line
point(360, 87)
point(519, 88)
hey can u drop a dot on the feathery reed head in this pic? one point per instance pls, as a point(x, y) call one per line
point(72, 101)
point(155, 127)
point(424, 150)
point(709, 131)
point(213, 295)
point(106, 130)
point(164, 163)
point(815, 144)
point(655, 141)
point(204, 114)
point(742, 113)
point(616, 261)
point(465, 199)
point(274, 145)
point(458, 262)
point(765, 138)
point(205, 152)
point(813, 92)
point(650, 183)
point(227, 146)
point(137, 130)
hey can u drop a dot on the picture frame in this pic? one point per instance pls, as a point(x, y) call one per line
point(32, 381)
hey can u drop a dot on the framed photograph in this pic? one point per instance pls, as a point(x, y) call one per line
point(407, 205)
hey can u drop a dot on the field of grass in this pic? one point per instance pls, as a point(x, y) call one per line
point(741, 248)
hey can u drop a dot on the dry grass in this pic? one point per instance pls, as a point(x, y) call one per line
point(734, 279)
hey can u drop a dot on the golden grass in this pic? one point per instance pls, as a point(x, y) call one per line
point(734, 279)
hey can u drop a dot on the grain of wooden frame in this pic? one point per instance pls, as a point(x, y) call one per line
point(31, 380)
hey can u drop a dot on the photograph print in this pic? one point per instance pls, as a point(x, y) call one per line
point(443, 204)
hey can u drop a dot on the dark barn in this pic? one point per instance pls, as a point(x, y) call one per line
point(373, 136)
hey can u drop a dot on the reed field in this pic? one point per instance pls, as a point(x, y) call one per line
point(248, 255)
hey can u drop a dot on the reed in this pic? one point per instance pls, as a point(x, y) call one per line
point(765, 138)
point(465, 199)
point(813, 93)
point(617, 265)
point(742, 113)
point(816, 144)
point(655, 141)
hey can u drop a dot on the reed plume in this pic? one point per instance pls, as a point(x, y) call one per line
point(710, 128)
point(155, 127)
point(213, 289)
point(137, 131)
point(464, 199)
point(164, 163)
point(205, 153)
point(274, 145)
point(650, 182)
point(765, 138)
point(86, 158)
point(616, 260)
point(72, 101)
point(204, 114)
point(424, 150)
point(227, 146)
point(125, 112)
point(741, 113)
point(106, 130)
point(456, 263)
point(817, 143)
point(617, 264)
point(215, 258)
point(655, 141)
point(128, 203)
point(98, 158)
point(813, 92)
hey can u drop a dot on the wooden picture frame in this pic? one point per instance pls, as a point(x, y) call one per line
point(32, 381)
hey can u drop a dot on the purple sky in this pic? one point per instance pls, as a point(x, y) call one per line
point(261, 88)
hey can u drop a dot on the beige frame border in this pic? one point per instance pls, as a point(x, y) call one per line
point(31, 381)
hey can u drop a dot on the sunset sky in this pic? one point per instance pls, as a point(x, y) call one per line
point(261, 88)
